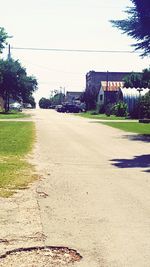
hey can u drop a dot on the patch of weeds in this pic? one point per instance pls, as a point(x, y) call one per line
point(15, 174)
point(16, 140)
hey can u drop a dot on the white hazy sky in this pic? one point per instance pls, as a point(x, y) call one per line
point(67, 24)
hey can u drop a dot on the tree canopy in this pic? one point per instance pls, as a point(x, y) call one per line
point(141, 80)
point(44, 103)
point(57, 99)
point(89, 96)
point(14, 82)
point(3, 38)
point(144, 106)
point(137, 25)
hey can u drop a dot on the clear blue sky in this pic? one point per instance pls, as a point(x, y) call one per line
point(68, 24)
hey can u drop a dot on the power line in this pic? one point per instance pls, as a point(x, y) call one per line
point(73, 50)
point(52, 70)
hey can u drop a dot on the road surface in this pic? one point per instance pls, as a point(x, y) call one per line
point(96, 182)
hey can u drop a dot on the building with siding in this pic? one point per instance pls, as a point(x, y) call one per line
point(93, 78)
point(131, 96)
point(108, 92)
point(105, 85)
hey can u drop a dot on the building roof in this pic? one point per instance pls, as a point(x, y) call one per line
point(111, 85)
point(133, 92)
point(131, 95)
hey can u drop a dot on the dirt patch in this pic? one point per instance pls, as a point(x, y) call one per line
point(39, 256)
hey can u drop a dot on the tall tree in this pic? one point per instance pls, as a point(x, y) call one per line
point(27, 85)
point(89, 96)
point(3, 38)
point(137, 25)
point(14, 82)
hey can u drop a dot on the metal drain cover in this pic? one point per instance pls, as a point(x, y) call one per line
point(39, 257)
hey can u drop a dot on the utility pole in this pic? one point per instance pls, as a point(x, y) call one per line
point(106, 86)
point(7, 93)
point(139, 108)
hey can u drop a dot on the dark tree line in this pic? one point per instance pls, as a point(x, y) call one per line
point(57, 99)
point(138, 80)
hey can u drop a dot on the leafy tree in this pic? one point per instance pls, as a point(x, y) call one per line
point(90, 98)
point(137, 25)
point(144, 106)
point(133, 80)
point(44, 103)
point(57, 99)
point(27, 85)
point(14, 82)
point(141, 80)
point(3, 38)
point(31, 101)
point(146, 78)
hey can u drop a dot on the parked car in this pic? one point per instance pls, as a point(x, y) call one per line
point(15, 106)
point(59, 108)
point(68, 108)
point(27, 105)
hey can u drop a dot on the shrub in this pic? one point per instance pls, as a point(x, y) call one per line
point(144, 106)
point(108, 109)
point(120, 109)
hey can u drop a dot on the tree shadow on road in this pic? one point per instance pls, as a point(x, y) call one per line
point(142, 161)
point(147, 170)
point(138, 137)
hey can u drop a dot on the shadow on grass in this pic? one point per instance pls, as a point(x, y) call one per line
point(138, 137)
point(6, 113)
point(142, 161)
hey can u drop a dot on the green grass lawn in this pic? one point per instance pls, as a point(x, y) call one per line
point(16, 140)
point(13, 115)
point(89, 115)
point(134, 127)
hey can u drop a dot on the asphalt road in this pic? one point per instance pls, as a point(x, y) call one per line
point(96, 183)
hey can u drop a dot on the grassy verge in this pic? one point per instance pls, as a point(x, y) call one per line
point(89, 115)
point(134, 127)
point(16, 139)
point(13, 115)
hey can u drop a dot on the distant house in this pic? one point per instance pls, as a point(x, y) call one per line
point(108, 92)
point(131, 96)
point(105, 85)
point(72, 97)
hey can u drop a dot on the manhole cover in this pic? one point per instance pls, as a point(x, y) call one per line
point(39, 257)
